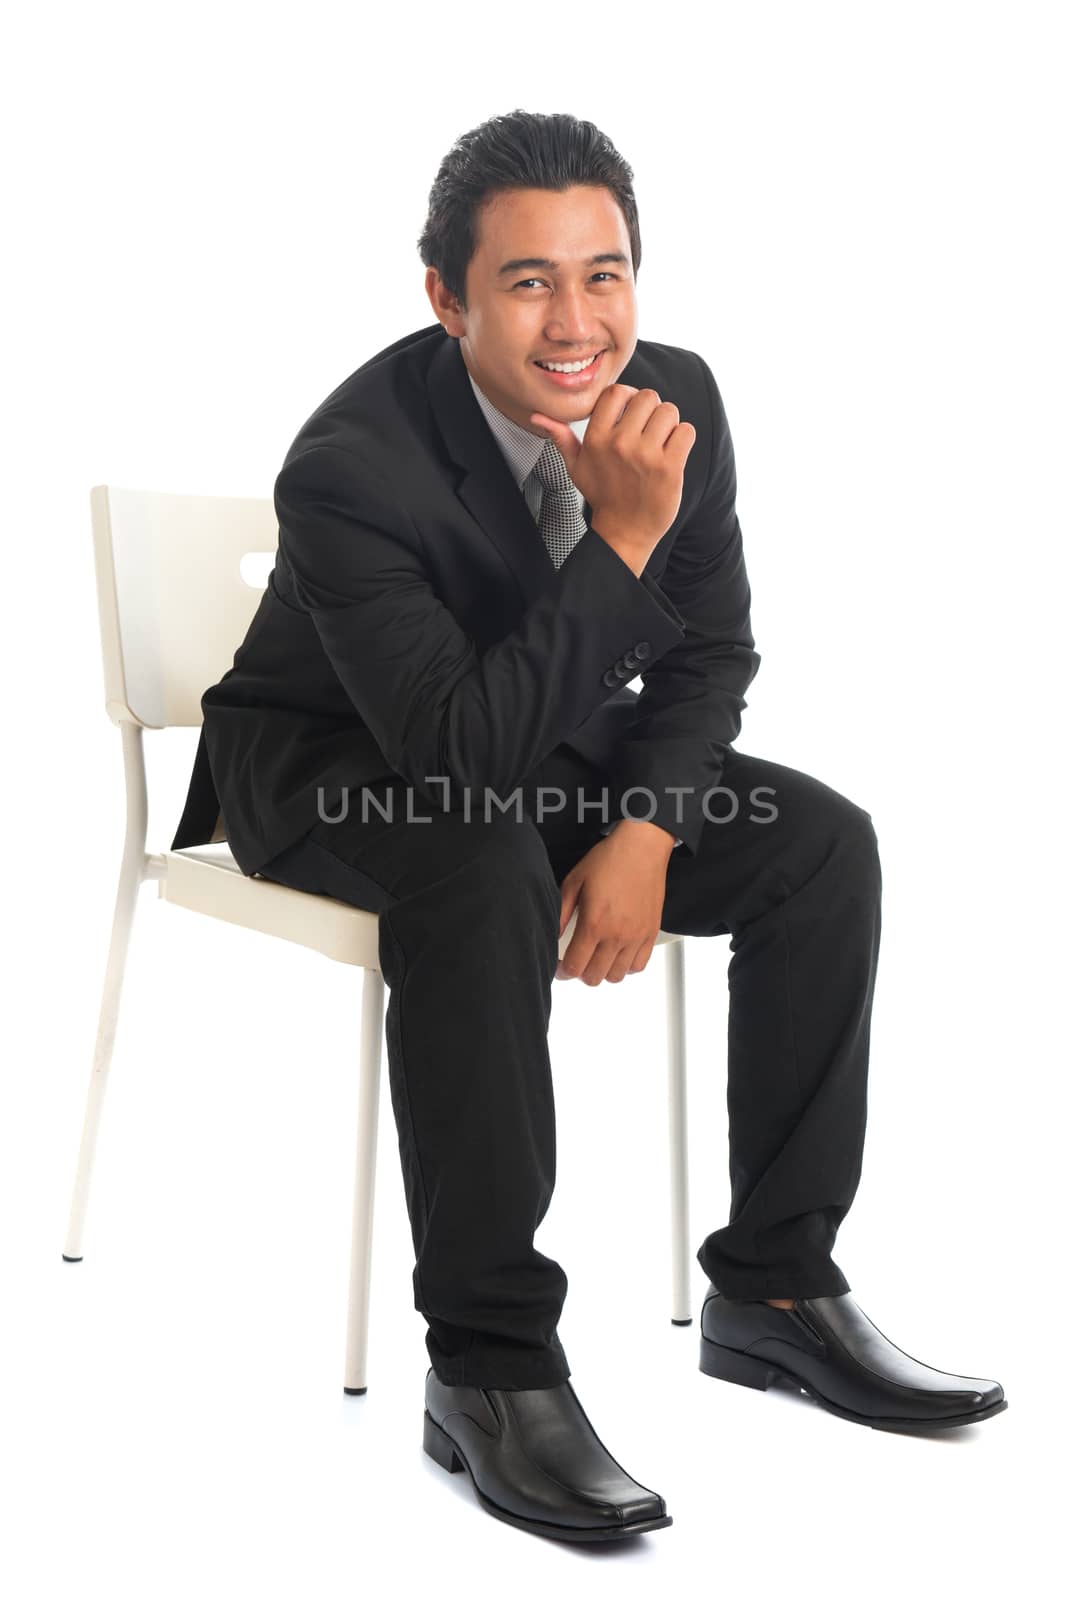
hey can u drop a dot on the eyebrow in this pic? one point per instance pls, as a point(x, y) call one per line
point(553, 266)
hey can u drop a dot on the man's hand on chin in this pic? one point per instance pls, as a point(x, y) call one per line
point(618, 888)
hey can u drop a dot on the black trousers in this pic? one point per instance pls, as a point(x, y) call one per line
point(468, 933)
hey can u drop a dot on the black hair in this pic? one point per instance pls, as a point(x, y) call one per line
point(517, 150)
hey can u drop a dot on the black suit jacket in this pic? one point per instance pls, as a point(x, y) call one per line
point(415, 625)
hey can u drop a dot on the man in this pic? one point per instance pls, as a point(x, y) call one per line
point(477, 553)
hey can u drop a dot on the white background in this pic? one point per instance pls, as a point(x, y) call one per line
point(869, 220)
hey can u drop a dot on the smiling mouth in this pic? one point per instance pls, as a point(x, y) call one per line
point(570, 361)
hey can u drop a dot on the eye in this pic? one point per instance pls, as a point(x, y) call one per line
point(541, 280)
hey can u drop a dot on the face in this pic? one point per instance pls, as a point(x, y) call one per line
point(562, 308)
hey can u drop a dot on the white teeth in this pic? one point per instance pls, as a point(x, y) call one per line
point(555, 366)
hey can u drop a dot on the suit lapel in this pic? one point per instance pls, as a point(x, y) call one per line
point(487, 490)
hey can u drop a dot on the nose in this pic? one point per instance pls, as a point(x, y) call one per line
point(572, 319)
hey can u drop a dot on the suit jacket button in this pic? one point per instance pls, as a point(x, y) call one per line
point(630, 660)
point(642, 649)
point(611, 678)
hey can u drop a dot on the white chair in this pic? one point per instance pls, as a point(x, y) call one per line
point(173, 607)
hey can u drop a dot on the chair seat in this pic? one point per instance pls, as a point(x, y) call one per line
point(207, 878)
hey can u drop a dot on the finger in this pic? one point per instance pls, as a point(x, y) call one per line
point(645, 952)
point(608, 411)
point(623, 964)
point(578, 955)
point(661, 425)
point(639, 412)
point(600, 963)
point(564, 437)
point(680, 440)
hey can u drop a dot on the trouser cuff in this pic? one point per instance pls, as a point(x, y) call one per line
point(480, 1368)
point(778, 1283)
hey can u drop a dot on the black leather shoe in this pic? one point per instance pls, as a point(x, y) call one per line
point(828, 1347)
point(534, 1460)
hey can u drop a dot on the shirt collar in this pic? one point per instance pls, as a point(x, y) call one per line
point(520, 447)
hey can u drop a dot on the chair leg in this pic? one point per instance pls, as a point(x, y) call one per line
point(124, 912)
point(366, 1152)
point(678, 1132)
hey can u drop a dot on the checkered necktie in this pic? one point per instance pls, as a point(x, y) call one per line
point(561, 521)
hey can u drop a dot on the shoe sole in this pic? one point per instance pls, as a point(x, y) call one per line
point(441, 1448)
point(718, 1361)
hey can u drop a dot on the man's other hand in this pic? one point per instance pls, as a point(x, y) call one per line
point(618, 888)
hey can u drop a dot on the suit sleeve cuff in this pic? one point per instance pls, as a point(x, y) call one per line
point(648, 585)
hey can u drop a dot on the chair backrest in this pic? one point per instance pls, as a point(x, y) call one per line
point(173, 605)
